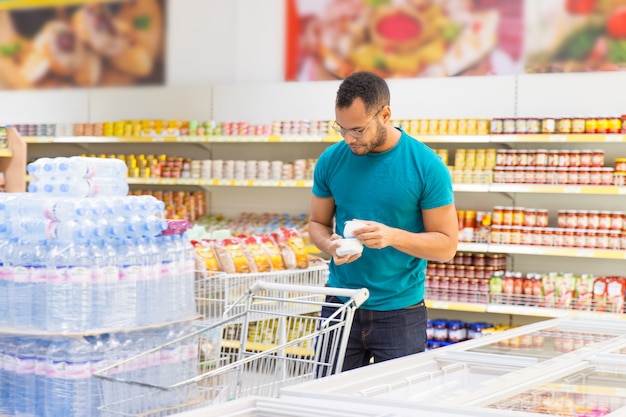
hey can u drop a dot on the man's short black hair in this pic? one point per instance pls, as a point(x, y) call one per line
point(371, 88)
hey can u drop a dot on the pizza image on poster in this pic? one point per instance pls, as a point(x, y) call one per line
point(118, 43)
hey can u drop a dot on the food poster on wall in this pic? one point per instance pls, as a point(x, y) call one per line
point(82, 44)
point(575, 35)
point(404, 38)
point(420, 38)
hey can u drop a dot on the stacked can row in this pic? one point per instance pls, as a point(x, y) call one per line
point(152, 166)
point(185, 205)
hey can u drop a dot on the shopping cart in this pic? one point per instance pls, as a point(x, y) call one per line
point(273, 336)
point(215, 292)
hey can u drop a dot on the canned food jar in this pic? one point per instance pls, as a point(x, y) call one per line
point(457, 330)
point(590, 125)
point(548, 125)
point(564, 125)
point(620, 164)
point(475, 330)
point(508, 126)
point(533, 126)
point(578, 125)
point(496, 126)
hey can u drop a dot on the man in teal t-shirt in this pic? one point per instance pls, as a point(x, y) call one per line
point(400, 192)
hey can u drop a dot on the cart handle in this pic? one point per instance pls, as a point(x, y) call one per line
point(358, 295)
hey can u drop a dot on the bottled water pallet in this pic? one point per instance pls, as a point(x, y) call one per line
point(304, 347)
point(215, 292)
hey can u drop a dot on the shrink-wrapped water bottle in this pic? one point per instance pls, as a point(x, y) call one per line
point(5, 265)
point(10, 360)
point(41, 352)
point(40, 168)
point(40, 228)
point(89, 167)
point(53, 208)
point(4, 379)
point(25, 378)
point(80, 187)
point(68, 370)
point(21, 288)
point(129, 275)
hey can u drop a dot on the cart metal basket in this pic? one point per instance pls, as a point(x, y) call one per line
point(215, 292)
point(273, 336)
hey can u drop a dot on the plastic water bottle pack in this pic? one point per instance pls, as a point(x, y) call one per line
point(53, 376)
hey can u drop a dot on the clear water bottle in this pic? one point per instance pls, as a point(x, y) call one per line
point(112, 311)
point(157, 299)
point(37, 206)
point(81, 187)
point(148, 226)
point(41, 351)
point(138, 256)
point(5, 265)
point(21, 288)
point(40, 168)
point(129, 275)
point(40, 228)
point(69, 288)
point(169, 268)
point(11, 380)
point(68, 370)
point(25, 384)
point(89, 167)
point(187, 275)
point(4, 379)
point(39, 282)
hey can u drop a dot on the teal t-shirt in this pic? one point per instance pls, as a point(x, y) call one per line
point(392, 188)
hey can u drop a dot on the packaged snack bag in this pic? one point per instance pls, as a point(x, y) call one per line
point(292, 248)
point(231, 253)
point(615, 294)
point(273, 251)
point(548, 283)
point(600, 293)
point(258, 253)
point(206, 255)
point(564, 290)
point(584, 292)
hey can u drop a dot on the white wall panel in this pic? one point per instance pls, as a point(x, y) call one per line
point(583, 94)
point(175, 102)
point(48, 106)
point(456, 97)
point(264, 103)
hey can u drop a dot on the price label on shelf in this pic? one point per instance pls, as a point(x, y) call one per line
point(558, 138)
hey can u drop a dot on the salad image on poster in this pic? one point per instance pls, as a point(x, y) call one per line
point(575, 35)
point(117, 43)
point(407, 38)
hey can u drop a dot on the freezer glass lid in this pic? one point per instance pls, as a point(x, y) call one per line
point(544, 344)
point(591, 392)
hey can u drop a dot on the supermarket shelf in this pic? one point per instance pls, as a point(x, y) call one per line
point(5, 153)
point(221, 183)
point(454, 138)
point(556, 189)
point(185, 139)
point(531, 138)
point(542, 250)
point(471, 188)
point(548, 312)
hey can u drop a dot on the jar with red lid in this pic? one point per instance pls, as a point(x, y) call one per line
point(533, 125)
point(582, 219)
point(564, 125)
point(507, 215)
point(453, 291)
point(450, 270)
point(563, 159)
point(547, 236)
point(617, 220)
point(536, 237)
point(521, 125)
point(508, 126)
point(568, 238)
point(542, 218)
point(558, 238)
point(502, 157)
point(578, 125)
point(572, 175)
point(530, 175)
point(505, 235)
point(517, 218)
point(562, 175)
point(516, 235)
point(511, 158)
point(595, 176)
point(590, 125)
point(614, 239)
point(574, 158)
point(530, 217)
point(614, 125)
point(553, 158)
point(604, 222)
point(602, 125)
point(597, 158)
point(579, 238)
point(495, 234)
point(444, 288)
point(593, 219)
point(584, 176)
point(591, 239)
point(570, 219)
point(606, 176)
point(541, 157)
point(479, 259)
point(541, 176)
point(459, 271)
point(463, 289)
point(518, 175)
point(585, 158)
point(561, 218)
point(602, 239)
point(480, 272)
point(526, 235)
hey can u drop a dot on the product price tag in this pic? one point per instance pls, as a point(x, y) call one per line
point(558, 138)
point(614, 138)
point(571, 189)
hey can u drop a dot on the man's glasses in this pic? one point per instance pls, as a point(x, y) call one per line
point(356, 133)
